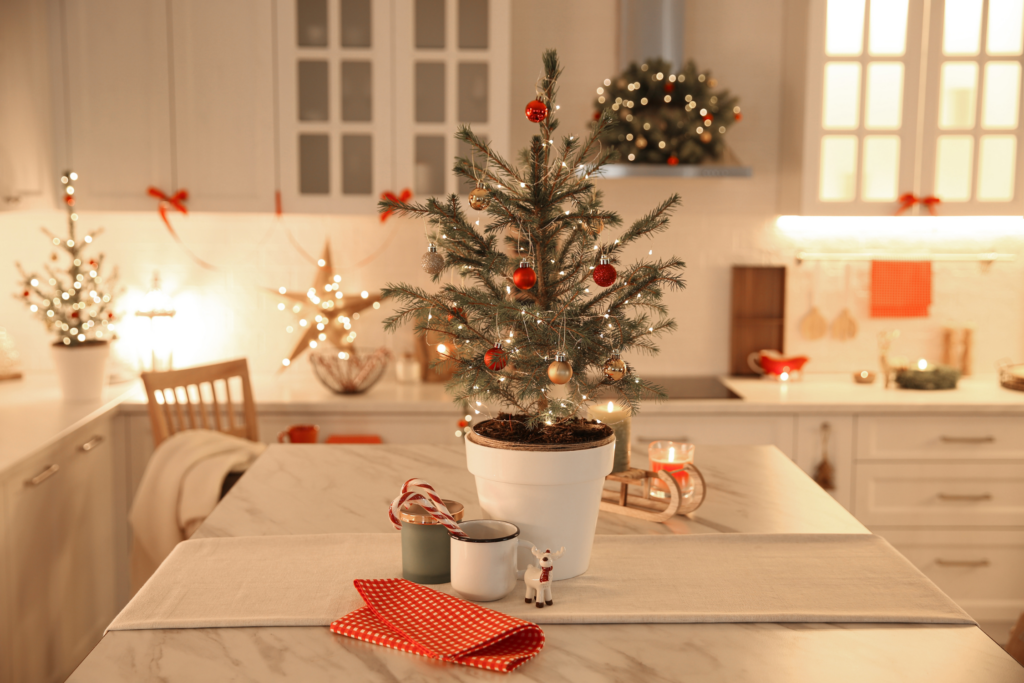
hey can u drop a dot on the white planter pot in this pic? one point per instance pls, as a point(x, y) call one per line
point(82, 370)
point(552, 496)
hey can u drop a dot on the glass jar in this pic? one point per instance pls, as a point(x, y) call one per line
point(426, 551)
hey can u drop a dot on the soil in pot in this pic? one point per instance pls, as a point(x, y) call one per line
point(512, 428)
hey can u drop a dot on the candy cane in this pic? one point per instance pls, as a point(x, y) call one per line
point(429, 500)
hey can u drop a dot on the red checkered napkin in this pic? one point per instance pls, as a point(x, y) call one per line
point(405, 616)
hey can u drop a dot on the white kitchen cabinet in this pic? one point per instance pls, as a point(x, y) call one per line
point(114, 123)
point(26, 174)
point(372, 93)
point(958, 438)
point(713, 430)
point(817, 432)
point(60, 552)
point(979, 569)
point(174, 94)
point(886, 98)
point(223, 92)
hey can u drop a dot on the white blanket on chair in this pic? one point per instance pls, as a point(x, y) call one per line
point(180, 487)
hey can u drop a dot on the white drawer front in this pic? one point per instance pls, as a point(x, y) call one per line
point(983, 571)
point(940, 494)
point(946, 437)
point(715, 430)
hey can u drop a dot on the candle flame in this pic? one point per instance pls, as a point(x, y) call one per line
point(611, 406)
point(922, 364)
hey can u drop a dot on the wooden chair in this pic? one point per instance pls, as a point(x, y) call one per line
point(178, 400)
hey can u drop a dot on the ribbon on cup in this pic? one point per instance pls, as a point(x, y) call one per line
point(428, 499)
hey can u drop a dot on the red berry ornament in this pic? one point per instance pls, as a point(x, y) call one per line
point(669, 87)
point(463, 423)
point(536, 111)
point(604, 273)
point(456, 312)
point(26, 293)
point(525, 276)
point(496, 359)
point(74, 314)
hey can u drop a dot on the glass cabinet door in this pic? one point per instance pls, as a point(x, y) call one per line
point(863, 86)
point(452, 68)
point(972, 153)
point(335, 104)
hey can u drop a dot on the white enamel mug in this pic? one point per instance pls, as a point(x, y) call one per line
point(484, 567)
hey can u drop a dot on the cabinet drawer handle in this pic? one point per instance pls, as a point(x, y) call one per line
point(967, 439)
point(43, 476)
point(91, 444)
point(645, 439)
point(965, 496)
point(962, 563)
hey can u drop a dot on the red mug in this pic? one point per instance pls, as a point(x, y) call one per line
point(299, 434)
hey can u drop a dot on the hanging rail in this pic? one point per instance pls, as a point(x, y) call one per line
point(987, 258)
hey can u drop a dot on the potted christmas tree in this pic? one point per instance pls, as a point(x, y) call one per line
point(539, 321)
point(75, 305)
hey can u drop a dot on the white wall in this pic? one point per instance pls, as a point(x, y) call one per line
point(723, 222)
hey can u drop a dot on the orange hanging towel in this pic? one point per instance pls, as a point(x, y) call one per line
point(901, 289)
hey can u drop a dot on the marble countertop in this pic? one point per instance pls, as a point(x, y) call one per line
point(309, 489)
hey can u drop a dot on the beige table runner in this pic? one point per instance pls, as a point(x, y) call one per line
point(307, 581)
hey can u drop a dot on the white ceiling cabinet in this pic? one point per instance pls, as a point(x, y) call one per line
point(886, 97)
point(371, 94)
point(177, 94)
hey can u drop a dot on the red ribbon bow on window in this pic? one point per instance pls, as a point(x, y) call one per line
point(176, 202)
point(908, 199)
point(404, 197)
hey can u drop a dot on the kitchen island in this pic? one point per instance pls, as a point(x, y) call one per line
point(297, 489)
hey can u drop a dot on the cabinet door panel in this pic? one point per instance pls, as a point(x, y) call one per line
point(810, 435)
point(61, 539)
point(951, 437)
point(224, 103)
point(118, 109)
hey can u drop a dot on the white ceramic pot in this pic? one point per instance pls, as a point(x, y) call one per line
point(552, 496)
point(82, 370)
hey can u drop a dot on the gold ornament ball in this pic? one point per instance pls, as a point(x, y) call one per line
point(479, 198)
point(615, 369)
point(705, 137)
point(433, 262)
point(559, 371)
point(712, 83)
point(641, 142)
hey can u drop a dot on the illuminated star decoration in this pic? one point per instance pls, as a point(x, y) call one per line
point(330, 320)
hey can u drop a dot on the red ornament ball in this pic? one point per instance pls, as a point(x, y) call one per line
point(604, 274)
point(26, 293)
point(455, 312)
point(673, 161)
point(536, 111)
point(110, 315)
point(74, 314)
point(496, 359)
point(737, 116)
point(670, 86)
point(525, 276)
point(597, 115)
point(463, 423)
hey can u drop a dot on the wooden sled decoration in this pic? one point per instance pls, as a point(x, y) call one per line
point(643, 506)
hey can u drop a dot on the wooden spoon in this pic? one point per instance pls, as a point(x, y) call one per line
point(845, 327)
point(814, 325)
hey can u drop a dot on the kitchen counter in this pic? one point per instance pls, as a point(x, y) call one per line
point(295, 489)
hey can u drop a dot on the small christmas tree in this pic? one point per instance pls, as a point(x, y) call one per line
point(75, 304)
point(543, 298)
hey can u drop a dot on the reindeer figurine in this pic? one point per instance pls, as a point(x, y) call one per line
point(538, 577)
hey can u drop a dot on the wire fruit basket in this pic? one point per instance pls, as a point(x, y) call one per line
point(350, 371)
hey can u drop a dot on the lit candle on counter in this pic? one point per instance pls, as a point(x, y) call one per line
point(619, 420)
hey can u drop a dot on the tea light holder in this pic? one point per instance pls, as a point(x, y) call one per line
point(619, 419)
point(864, 377)
point(675, 458)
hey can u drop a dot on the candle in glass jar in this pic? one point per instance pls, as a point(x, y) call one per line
point(672, 457)
point(619, 420)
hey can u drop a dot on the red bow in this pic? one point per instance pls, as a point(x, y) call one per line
point(405, 196)
point(908, 199)
point(176, 202)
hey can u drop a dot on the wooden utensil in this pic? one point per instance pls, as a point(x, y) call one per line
point(844, 326)
point(824, 475)
point(814, 325)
